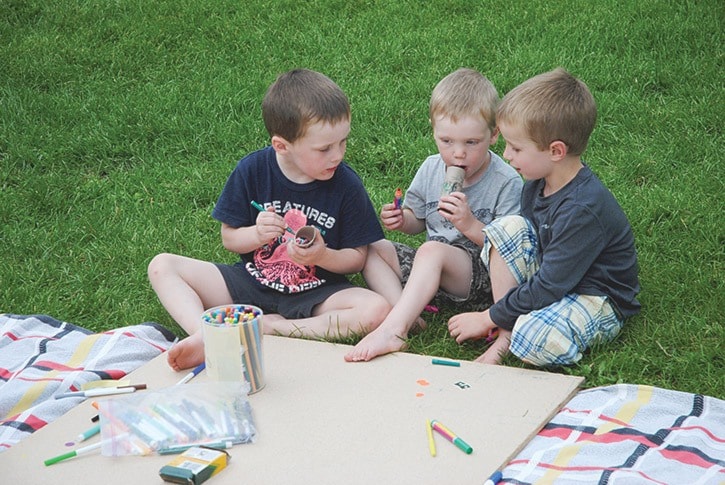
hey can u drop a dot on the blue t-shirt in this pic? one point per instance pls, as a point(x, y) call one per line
point(339, 208)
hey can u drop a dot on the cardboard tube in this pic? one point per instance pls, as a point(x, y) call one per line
point(453, 181)
point(305, 236)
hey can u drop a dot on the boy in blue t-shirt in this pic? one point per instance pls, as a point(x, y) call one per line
point(300, 180)
point(564, 273)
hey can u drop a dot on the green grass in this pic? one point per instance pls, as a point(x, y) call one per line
point(120, 121)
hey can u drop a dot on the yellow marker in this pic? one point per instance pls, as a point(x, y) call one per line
point(431, 443)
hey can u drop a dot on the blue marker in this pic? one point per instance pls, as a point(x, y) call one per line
point(494, 479)
point(450, 363)
point(192, 374)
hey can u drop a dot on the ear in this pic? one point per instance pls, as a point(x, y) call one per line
point(494, 136)
point(279, 144)
point(558, 150)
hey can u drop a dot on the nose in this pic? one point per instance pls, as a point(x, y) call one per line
point(507, 153)
point(339, 153)
point(459, 152)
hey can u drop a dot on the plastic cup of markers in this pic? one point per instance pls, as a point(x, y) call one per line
point(233, 344)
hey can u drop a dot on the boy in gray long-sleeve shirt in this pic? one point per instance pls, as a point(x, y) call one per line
point(564, 273)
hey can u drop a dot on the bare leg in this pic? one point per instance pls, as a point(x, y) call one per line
point(382, 272)
point(497, 350)
point(351, 311)
point(472, 325)
point(502, 280)
point(435, 265)
point(186, 287)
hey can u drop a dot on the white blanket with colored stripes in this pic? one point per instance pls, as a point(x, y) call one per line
point(41, 357)
point(627, 434)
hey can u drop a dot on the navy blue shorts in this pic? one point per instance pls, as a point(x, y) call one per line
point(244, 289)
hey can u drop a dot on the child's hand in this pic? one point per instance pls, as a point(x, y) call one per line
point(455, 209)
point(472, 325)
point(269, 225)
point(391, 217)
point(308, 255)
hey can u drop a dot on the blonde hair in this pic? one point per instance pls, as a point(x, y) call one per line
point(549, 107)
point(464, 92)
point(299, 98)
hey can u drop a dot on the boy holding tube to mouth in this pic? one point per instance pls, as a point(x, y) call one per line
point(447, 266)
point(299, 180)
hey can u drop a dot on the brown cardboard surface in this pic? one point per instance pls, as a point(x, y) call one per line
point(325, 421)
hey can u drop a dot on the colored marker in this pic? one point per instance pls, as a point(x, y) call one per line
point(89, 432)
point(449, 363)
point(494, 479)
point(102, 391)
point(492, 335)
point(431, 309)
point(398, 200)
point(451, 436)
point(71, 454)
point(431, 442)
point(217, 445)
point(192, 374)
point(261, 208)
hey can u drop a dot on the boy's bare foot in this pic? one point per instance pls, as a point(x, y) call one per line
point(378, 342)
point(500, 347)
point(189, 352)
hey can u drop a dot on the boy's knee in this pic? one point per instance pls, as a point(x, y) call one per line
point(380, 247)
point(375, 311)
point(159, 265)
point(432, 249)
point(545, 344)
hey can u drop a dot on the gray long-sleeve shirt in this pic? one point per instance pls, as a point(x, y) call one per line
point(586, 246)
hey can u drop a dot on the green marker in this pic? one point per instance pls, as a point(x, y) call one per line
point(451, 436)
point(71, 454)
point(260, 208)
point(450, 363)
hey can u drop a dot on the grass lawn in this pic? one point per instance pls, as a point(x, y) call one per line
point(120, 122)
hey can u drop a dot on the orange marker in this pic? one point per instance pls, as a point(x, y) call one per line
point(398, 200)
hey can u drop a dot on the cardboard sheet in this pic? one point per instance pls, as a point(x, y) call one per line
point(322, 420)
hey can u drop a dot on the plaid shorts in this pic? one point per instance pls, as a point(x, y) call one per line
point(479, 293)
point(556, 334)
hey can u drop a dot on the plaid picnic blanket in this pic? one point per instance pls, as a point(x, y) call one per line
point(627, 434)
point(41, 356)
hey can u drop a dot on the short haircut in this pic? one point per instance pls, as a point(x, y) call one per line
point(299, 98)
point(462, 93)
point(549, 107)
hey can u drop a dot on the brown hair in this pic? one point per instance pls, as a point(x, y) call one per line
point(300, 97)
point(552, 106)
point(464, 92)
